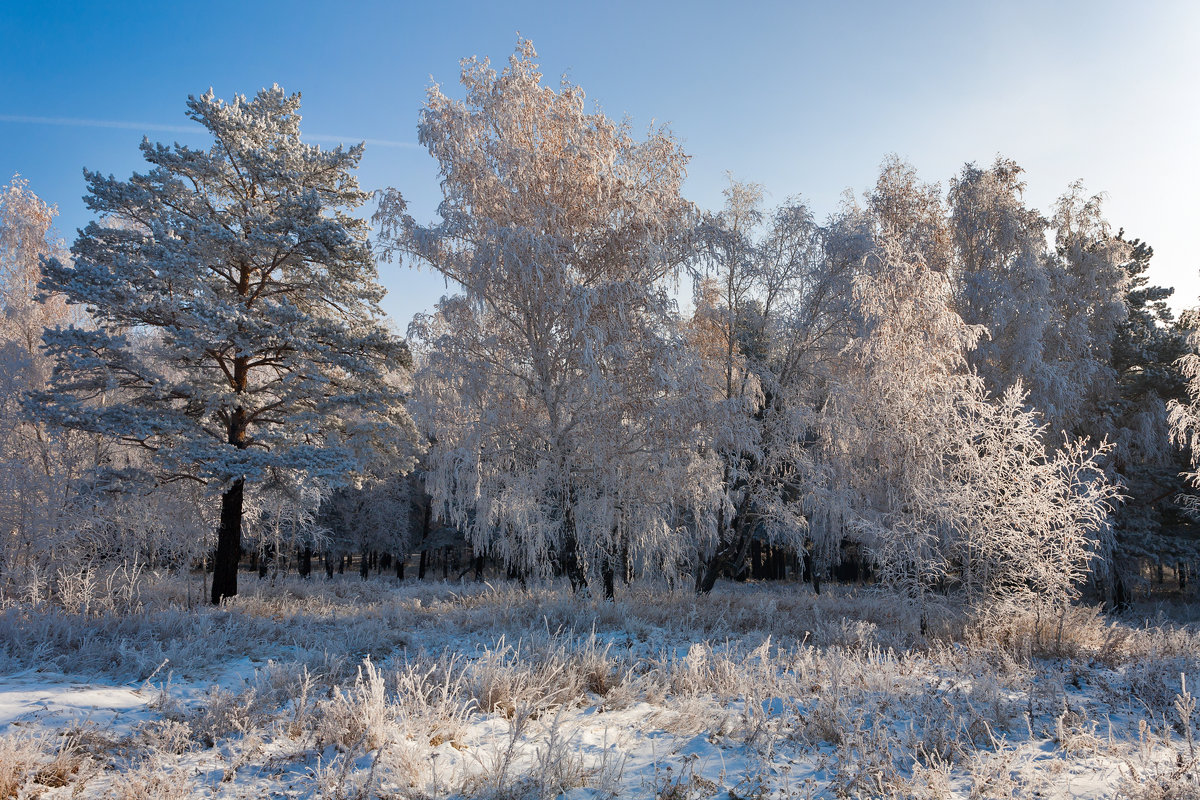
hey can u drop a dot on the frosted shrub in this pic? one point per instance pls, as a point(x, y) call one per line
point(431, 705)
point(19, 755)
point(174, 736)
point(359, 717)
point(226, 713)
point(504, 678)
point(153, 780)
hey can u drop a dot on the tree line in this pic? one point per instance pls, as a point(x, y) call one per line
point(991, 403)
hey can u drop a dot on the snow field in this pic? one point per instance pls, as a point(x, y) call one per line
point(374, 689)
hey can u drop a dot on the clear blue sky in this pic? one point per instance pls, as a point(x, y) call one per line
point(804, 98)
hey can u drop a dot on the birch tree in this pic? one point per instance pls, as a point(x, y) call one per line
point(768, 313)
point(890, 416)
point(1027, 522)
point(552, 387)
point(236, 308)
point(1088, 286)
point(1002, 278)
point(39, 467)
point(945, 484)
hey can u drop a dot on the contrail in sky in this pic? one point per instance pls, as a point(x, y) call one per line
point(73, 122)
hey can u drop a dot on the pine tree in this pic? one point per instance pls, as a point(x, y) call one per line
point(236, 306)
point(1145, 355)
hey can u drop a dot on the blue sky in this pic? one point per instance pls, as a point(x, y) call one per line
point(805, 98)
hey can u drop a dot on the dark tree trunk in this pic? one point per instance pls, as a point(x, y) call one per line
point(328, 557)
point(479, 568)
point(306, 563)
point(229, 543)
point(264, 562)
point(400, 567)
point(732, 556)
point(426, 524)
point(570, 560)
point(1122, 599)
point(229, 534)
point(572, 567)
point(707, 579)
point(610, 581)
point(364, 565)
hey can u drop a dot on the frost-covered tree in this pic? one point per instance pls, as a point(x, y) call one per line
point(552, 386)
point(236, 308)
point(766, 317)
point(943, 484)
point(382, 515)
point(1001, 277)
point(25, 239)
point(1145, 352)
point(1026, 523)
point(1079, 327)
point(1184, 418)
point(1088, 283)
point(903, 208)
point(39, 467)
point(889, 418)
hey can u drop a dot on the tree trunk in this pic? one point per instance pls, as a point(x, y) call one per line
point(707, 578)
point(730, 557)
point(400, 567)
point(572, 567)
point(570, 555)
point(1122, 598)
point(306, 562)
point(264, 561)
point(229, 543)
point(229, 535)
point(610, 581)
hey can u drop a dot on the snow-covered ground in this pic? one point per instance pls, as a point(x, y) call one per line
point(375, 689)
